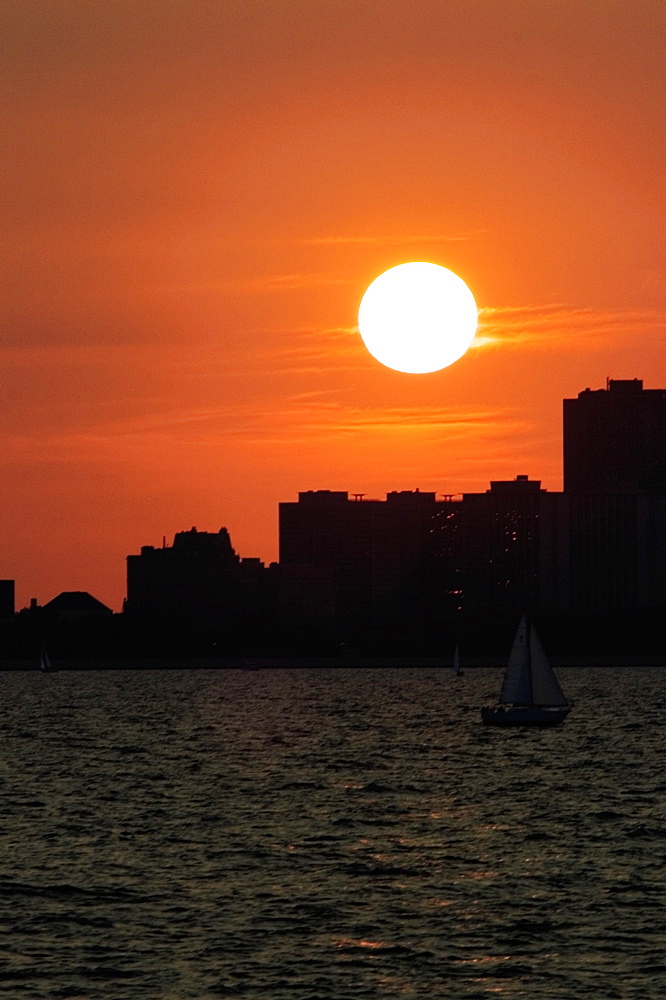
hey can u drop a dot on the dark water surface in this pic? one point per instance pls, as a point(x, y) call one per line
point(302, 834)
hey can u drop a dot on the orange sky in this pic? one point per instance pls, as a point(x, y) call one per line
point(197, 193)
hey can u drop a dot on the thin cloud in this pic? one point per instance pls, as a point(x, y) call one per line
point(380, 241)
point(286, 282)
point(262, 284)
point(548, 325)
point(305, 416)
point(332, 417)
point(327, 344)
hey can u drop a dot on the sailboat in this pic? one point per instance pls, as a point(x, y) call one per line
point(531, 694)
point(457, 669)
point(45, 664)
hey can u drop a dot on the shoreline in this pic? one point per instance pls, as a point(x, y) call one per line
point(253, 664)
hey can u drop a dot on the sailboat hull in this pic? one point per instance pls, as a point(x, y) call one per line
point(524, 715)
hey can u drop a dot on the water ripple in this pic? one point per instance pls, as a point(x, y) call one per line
point(303, 834)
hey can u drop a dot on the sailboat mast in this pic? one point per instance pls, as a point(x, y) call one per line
point(528, 644)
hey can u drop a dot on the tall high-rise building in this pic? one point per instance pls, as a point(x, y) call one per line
point(615, 439)
point(615, 484)
point(617, 550)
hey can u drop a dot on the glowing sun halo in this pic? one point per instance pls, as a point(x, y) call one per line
point(417, 317)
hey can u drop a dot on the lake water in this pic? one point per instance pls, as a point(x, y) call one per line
point(341, 834)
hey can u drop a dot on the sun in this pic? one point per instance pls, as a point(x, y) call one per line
point(417, 317)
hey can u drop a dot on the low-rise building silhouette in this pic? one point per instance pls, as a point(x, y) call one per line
point(75, 606)
point(198, 581)
point(7, 600)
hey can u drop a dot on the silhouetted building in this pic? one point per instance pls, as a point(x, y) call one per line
point(617, 551)
point(75, 606)
point(615, 481)
point(7, 600)
point(193, 580)
point(307, 595)
point(327, 553)
point(615, 439)
point(200, 580)
point(357, 561)
point(514, 551)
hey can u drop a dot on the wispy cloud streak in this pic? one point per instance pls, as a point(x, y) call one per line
point(307, 416)
point(380, 241)
point(547, 325)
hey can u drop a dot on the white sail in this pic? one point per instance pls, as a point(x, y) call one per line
point(517, 686)
point(545, 687)
point(457, 669)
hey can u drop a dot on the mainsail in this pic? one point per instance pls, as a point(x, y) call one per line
point(517, 686)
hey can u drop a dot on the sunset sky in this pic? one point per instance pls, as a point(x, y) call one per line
point(196, 194)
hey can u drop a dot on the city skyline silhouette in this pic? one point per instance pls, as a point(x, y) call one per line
point(415, 568)
point(196, 197)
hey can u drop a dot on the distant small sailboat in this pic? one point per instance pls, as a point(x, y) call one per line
point(45, 663)
point(531, 694)
point(457, 669)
